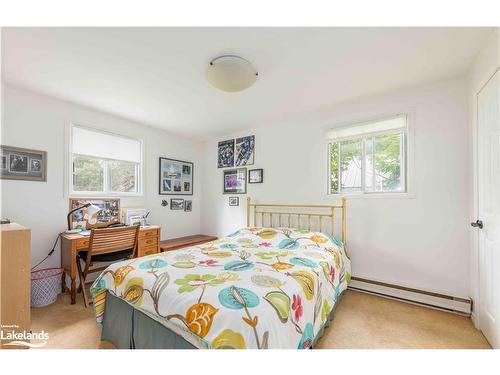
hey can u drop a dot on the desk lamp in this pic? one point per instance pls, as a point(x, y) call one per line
point(91, 211)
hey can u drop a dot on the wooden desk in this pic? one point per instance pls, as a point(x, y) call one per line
point(71, 244)
point(179, 243)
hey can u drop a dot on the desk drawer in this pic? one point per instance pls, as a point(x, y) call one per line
point(147, 233)
point(148, 241)
point(147, 250)
point(82, 243)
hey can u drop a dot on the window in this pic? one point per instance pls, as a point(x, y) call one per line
point(368, 158)
point(104, 163)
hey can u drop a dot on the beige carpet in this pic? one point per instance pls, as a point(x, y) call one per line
point(361, 321)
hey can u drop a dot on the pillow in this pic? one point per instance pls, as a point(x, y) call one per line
point(285, 238)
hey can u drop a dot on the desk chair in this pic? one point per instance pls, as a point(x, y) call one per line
point(106, 245)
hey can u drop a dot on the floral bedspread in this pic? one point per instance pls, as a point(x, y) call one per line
point(257, 288)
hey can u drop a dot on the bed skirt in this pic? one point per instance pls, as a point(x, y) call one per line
point(129, 328)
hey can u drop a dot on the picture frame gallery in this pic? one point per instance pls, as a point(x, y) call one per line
point(175, 177)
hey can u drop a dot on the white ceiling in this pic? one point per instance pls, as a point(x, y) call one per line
point(156, 75)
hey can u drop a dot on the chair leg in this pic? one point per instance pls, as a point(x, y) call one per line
point(82, 283)
point(80, 286)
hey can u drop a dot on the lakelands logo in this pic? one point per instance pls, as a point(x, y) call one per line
point(14, 337)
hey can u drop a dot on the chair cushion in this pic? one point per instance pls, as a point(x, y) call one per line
point(108, 257)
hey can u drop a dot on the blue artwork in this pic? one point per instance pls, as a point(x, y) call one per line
point(176, 177)
point(244, 151)
point(226, 154)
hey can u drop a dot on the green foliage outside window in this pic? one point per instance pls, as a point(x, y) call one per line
point(384, 166)
point(388, 162)
point(334, 167)
point(122, 176)
point(88, 174)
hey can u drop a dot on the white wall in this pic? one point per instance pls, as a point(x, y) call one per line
point(422, 241)
point(484, 66)
point(34, 121)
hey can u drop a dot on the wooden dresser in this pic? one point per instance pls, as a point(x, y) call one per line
point(15, 280)
point(71, 243)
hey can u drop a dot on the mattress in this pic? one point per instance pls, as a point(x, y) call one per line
point(256, 288)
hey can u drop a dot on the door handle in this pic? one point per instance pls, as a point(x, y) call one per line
point(477, 224)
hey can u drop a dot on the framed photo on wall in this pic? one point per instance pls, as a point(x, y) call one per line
point(244, 151)
point(255, 176)
point(235, 181)
point(234, 201)
point(176, 177)
point(177, 204)
point(225, 153)
point(23, 164)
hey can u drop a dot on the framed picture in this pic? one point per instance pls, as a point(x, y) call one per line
point(255, 176)
point(23, 164)
point(235, 181)
point(226, 154)
point(234, 201)
point(244, 151)
point(176, 177)
point(176, 204)
point(109, 214)
point(188, 206)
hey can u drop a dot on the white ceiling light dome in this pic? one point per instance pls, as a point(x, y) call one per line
point(231, 73)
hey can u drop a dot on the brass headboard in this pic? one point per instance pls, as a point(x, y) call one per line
point(301, 212)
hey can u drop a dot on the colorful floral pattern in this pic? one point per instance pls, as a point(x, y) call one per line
point(257, 288)
point(297, 306)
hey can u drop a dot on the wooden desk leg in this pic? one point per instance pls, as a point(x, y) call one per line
point(68, 261)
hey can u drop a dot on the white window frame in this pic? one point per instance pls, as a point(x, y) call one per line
point(407, 167)
point(107, 175)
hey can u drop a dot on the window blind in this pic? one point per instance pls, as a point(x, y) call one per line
point(394, 123)
point(104, 145)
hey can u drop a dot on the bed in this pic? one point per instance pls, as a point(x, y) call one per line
point(273, 284)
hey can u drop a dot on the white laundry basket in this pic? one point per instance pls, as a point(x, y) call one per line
point(45, 286)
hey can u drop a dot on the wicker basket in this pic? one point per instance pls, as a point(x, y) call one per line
point(45, 286)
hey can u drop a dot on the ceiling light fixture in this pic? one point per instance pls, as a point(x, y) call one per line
point(231, 73)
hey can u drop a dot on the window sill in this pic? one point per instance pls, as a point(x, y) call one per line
point(407, 195)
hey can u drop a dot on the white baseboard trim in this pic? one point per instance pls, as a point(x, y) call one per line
point(459, 305)
point(475, 320)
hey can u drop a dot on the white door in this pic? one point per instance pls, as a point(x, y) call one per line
point(488, 118)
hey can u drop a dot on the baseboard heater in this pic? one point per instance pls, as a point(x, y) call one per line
point(458, 305)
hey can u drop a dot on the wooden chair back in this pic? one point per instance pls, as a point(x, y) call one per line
point(105, 241)
point(110, 240)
